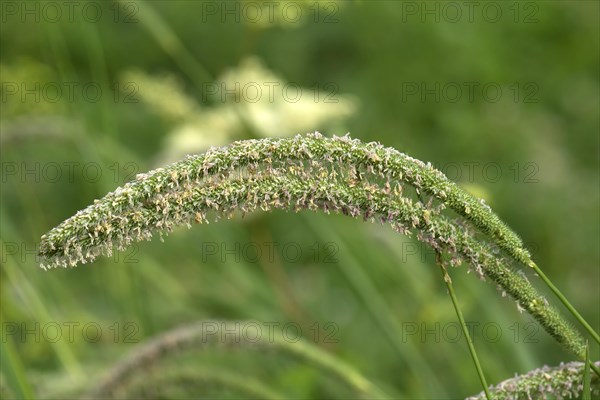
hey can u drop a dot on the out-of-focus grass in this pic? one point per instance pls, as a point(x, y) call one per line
point(378, 288)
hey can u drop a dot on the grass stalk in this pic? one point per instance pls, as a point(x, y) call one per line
point(409, 357)
point(463, 325)
point(566, 302)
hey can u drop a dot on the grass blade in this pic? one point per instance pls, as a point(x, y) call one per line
point(463, 325)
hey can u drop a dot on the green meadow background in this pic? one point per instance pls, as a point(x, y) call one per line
point(503, 97)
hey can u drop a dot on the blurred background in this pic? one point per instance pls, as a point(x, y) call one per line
point(501, 96)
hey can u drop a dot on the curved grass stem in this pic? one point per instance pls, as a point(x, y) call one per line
point(463, 325)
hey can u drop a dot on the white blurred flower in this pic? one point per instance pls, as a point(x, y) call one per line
point(288, 14)
point(274, 107)
point(247, 97)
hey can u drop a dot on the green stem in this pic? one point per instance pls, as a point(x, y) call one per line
point(564, 300)
point(464, 326)
point(587, 394)
point(595, 369)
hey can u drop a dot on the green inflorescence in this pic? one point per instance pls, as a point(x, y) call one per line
point(562, 382)
point(310, 172)
point(120, 379)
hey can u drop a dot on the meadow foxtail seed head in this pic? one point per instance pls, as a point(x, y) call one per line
point(310, 172)
point(118, 218)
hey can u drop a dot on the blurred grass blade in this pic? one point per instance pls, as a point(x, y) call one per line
point(380, 312)
point(463, 325)
point(17, 278)
point(12, 368)
point(170, 43)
